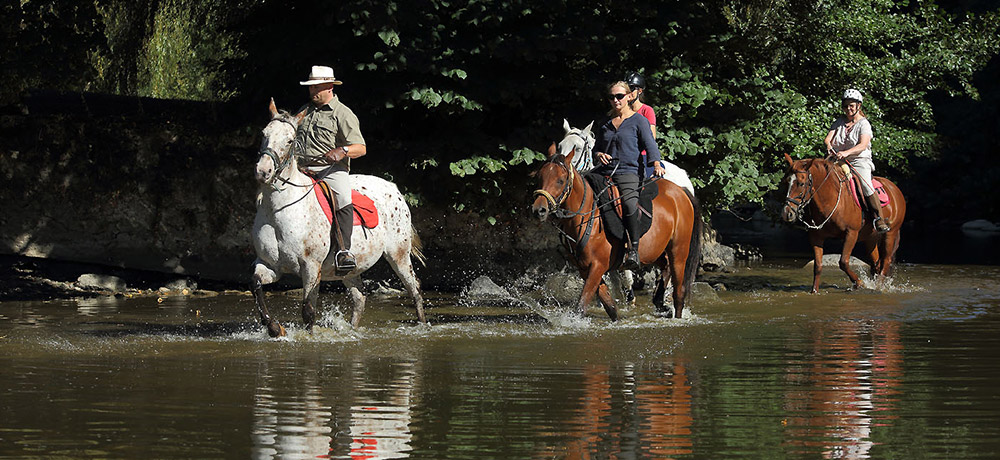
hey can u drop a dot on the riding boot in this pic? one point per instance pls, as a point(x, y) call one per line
point(881, 223)
point(345, 222)
point(632, 253)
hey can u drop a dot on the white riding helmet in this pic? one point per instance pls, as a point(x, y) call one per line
point(853, 94)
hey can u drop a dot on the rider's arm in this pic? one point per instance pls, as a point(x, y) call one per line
point(828, 141)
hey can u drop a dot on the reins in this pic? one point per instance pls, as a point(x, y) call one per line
point(804, 201)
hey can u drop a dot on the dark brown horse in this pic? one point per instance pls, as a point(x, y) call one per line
point(673, 242)
point(819, 197)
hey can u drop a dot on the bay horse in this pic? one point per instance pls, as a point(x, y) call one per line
point(582, 141)
point(673, 241)
point(818, 188)
point(291, 233)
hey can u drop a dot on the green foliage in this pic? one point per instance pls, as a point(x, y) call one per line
point(465, 94)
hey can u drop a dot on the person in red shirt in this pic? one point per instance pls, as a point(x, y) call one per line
point(638, 85)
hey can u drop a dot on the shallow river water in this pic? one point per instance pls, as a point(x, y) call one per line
point(763, 370)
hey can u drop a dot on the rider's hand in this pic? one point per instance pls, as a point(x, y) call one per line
point(830, 151)
point(336, 154)
point(658, 170)
point(604, 158)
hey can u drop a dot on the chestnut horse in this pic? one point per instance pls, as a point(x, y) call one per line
point(673, 241)
point(818, 196)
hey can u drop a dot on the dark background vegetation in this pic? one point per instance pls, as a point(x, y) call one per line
point(458, 98)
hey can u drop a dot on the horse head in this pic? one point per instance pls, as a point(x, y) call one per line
point(801, 186)
point(275, 148)
point(579, 140)
point(555, 178)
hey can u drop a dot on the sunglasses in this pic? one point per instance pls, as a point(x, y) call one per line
point(618, 96)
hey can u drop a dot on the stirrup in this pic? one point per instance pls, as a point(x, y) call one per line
point(884, 222)
point(344, 261)
point(631, 261)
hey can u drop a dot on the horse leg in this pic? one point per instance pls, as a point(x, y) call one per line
point(352, 284)
point(660, 296)
point(845, 258)
point(887, 250)
point(592, 280)
point(676, 271)
point(310, 295)
point(817, 244)
point(627, 280)
point(609, 302)
point(404, 270)
point(263, 275)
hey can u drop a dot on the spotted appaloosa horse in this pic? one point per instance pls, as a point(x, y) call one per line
point(291, 233)
point(673, 242)
point(818, 196)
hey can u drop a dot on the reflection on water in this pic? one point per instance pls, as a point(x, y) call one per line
point(764, 370)
point(850, 374)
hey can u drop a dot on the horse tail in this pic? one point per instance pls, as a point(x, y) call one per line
point(416, 246)
point(694, 250)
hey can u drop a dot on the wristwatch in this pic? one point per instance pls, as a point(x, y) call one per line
point(347, 149)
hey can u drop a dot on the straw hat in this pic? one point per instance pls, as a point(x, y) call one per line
point(320, 74)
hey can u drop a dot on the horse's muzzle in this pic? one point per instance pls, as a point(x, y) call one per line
point(788, 214)
point(541, 209)
point(264, 172)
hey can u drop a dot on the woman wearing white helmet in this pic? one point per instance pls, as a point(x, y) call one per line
point(850, 140)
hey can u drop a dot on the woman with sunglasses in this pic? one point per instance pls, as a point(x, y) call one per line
point(619, 140)
point(849, 140)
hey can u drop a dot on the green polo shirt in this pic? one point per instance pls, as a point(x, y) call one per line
point(324, 128)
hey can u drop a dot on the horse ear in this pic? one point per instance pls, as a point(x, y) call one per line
point(569, 157)
point(552, 151)
point(273, 109)
point(588, 128)
point(789, 160)
point(566, 126)
point(299, 116)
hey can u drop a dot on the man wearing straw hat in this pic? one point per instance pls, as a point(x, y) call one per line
point(328, 137)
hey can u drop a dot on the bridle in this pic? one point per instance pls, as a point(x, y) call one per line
point(279, 164)
point(806, 196)
point(588, 144)
point(555, 203)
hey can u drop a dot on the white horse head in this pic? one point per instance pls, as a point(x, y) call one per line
point(275, 148)
point(581, 140)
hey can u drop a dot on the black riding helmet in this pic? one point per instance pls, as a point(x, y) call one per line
point(635, 80)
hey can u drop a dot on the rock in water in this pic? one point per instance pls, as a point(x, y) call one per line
point(101, 282)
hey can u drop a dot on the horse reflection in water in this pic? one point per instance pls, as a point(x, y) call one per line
point(629, 410)
point(296, 420)
point(850, 387)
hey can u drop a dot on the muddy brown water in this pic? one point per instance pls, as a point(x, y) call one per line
point(761, 370)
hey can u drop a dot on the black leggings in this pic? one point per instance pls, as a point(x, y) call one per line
point(628, 186)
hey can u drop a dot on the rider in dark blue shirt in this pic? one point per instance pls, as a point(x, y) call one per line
point(619, 141)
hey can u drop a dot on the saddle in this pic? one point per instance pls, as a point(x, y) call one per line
point(857, 191)
point(607, 195)
point(365, 212)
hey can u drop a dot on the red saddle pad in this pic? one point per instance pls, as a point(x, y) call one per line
point(365, 212)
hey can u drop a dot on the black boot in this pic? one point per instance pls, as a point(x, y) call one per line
point(345, 222)
point(632, 254)
point(881, 223)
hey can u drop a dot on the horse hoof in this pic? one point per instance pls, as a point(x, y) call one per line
point(663, 313)
point(275, 330)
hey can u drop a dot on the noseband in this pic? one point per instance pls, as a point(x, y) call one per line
point(279, 164)
point(556, 203)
